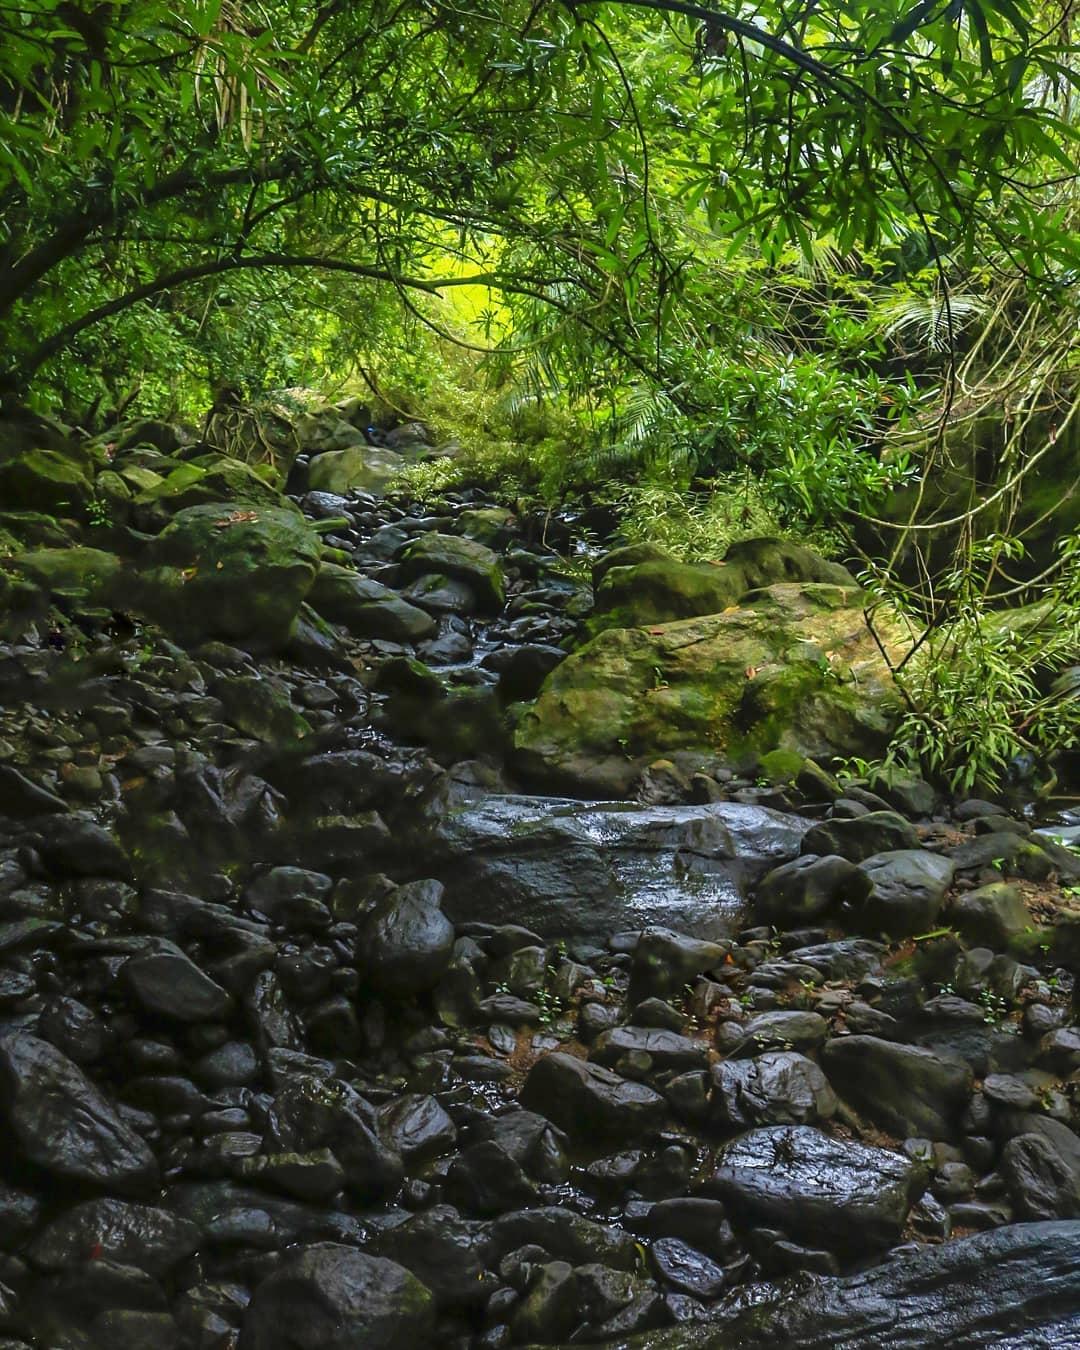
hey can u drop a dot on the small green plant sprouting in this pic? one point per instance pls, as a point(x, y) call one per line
point(99, 513)
point(995, 1007)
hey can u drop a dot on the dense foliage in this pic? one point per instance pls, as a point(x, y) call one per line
point(799, 253)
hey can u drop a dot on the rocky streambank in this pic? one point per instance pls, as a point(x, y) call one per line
point(320, 1027)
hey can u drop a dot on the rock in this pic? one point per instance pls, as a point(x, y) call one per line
point(21, 797)
point(808, 887)
point(218, 572)
point(75, 846)
point(61, 1122)
point(446, 1252)
point(843, 1196)
point(169, 984)
point(530, 860)
point(664, 1051)
point(642, 585)
point(905, 792)
point(591, 1103)
point(405, 947)
point(364, 468)
point(418, 1126)
point(1015, 1286)
point(329, 1297)
point(484, 1179)
point(144, 1236)
point(909, 888)
point(549, 1312)
point(687, 1269)
point(1042, 1183)
point(779, 1088)
point(862, 837)
point(461, 559)
point(203, 481)
point(990, 915)
point(793, 668)
point(367, 608)
point(52, 481)
point(905, 1089)
point(784, 1029)
point(316, 1175)
point(260, 708)
point(663, 963)
point(564, 1235)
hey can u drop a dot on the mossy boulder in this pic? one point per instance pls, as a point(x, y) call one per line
point(216, 571)
point(88, 573)
point(366, 607)
point(463, 559)
point(366, 468)
point(200, 482)
point(792, 668)
point(45, 480)
point(641, 584)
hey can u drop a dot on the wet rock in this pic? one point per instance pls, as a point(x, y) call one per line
point(783, 1029)
point(844, 1196)
point(167, 983)
point(406, 946)
point(663, 1051)
point(808, 887)
point(905, 1089)
point(565, 1235)
point(686, 1268)
point(529, 860)
point(329, 1297)
point(664, 963)
point(484, 1179)
point(75, 846)
point(780, 1088)
point(590, 1102)
point(21, 797)
point(549, 1312)
point(418, 1126)
point(909, 887)
point(876, 832)
point(144, 1236)
point(447, 1253)
point(1042, 1182)
point(60, 1121)
point(316, 1175)
point(1014, 1286)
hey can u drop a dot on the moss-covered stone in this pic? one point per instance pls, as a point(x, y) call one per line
point(794, 669)
point(199, 482)
point(363, 467)
point(641, 584)
point(45, 480)
point(216, 571)
point(87, 572)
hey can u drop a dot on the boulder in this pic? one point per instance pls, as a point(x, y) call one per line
point(53, 481)
point(990, 915)
point(462, 559)
point(641, 585)
point(406, 945)
point(905, 1089)
point(361, 468)
point(840, 1195)
point(591, 1103)
point(200, 482)
point(516, 859)
point(778, 1088)
point(330, 1297)
point(794, 667)
point(167, 983)
point(862, 836)
point(908, 890)
point(216, 571)
point(143, 1236)
point(367, 608)
point(808, 887)
point(59, 1120)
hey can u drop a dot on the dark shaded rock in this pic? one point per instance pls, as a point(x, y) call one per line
point(991, 914)
point(663, 963)
point(686, 1268)
point(808, 887)
point(21, 797)
point(876, 832)
point(909, 887)
point(1042, 1183)
point(549, 1311)
point(663, 1051)
point(590, 1102)
point(328, 1297)
point(905, 1089)
point(418, 1127)
point(366, 607)
point(74, 846)
point(405, 947)
point(149, 1238)
point(564, 1235)
point(844, 1196)
point(784, 1030)
point(60, 1121)
point(486, 1180)
point(315, 1175)
point(458, 558)
point(781, 1088)
point(447, 1253)
point(169, 984)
